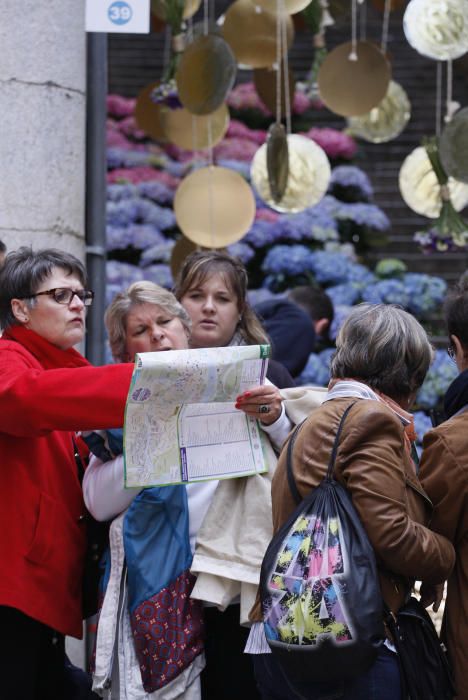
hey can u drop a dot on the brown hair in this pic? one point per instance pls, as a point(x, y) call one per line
point(200, 265)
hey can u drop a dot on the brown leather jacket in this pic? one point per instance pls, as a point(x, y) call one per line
point(444, 473)
point(374, 464)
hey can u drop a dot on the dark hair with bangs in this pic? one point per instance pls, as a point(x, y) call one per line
point(23, 272)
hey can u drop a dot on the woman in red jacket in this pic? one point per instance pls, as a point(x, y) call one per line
point(47, 392)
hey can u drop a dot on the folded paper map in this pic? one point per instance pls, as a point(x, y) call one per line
point(180, 421)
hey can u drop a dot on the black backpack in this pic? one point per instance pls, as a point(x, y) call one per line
point(321, 601)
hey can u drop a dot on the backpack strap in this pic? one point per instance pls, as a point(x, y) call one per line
point(331, 465)
point(291, 480)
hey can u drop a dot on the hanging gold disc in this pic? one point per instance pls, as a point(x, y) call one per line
point(205, 74)
point(214, 206)
point(251, 34)
point(353, 87)
point(182, 249)
point(148, 114)
point(265, 85)
point(192, 132)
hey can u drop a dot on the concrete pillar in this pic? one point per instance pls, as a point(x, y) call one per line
point(42, 124)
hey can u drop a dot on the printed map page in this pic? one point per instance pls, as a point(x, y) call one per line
point(180, 421)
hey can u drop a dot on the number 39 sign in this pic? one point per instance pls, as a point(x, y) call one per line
point(129, 16)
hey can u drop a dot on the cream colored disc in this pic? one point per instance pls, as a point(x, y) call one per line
point(308, 175)
point(420, 188)
point(385, 121)
point(214, 207)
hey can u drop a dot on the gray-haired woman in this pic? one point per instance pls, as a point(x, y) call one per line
point(382, 357)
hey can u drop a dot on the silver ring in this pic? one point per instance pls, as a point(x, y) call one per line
point(264, 409)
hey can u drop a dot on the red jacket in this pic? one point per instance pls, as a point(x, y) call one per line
point(45, 395)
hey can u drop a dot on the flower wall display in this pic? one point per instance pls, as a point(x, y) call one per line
point(324, 244)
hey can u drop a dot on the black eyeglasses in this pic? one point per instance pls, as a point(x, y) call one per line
point(451, 353)
point(64, 295)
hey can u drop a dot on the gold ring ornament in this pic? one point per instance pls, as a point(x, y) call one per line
point(251, 34)
point(214, 206)
point(437, 29)
point(193, 132)
point(421, 189)
point(353, 78)
point(205, 74)
point(387, 120)
point(308, 175)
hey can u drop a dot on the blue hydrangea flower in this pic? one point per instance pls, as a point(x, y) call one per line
point(256, 296)
point(157, 191)
point(160, 252)
point(425, 292)
point(363, 214)
point(262, 234)
point(123, 158)
point(342, 294)
point(116, 192)
point(422, 423)
point(330, 268)
point(341, 314)
point(316, 372)
point(360, 275)
point(159, 274)
point(242, 251)
point(289, 260)
point(120, 275)
point(441, 374)
point(386, 292)
point(351, 176)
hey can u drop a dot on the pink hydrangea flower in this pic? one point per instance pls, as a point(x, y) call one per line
point(336, 144)
point(236, 149)
point(237, 129)
point(142, 174)
point(266, 215)
point(118, 106)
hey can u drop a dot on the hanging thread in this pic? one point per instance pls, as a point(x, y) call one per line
point(353, 55)
point(438, 99)
point(385, 25)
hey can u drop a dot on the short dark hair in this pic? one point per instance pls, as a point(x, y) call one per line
point(3, 247)
point(25, 269)
point(314, 301)
point(456, 311)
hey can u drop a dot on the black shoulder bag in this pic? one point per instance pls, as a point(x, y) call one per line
point(424, 667)
point(97, 543)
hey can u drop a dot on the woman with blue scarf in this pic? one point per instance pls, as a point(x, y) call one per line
point(150, 634)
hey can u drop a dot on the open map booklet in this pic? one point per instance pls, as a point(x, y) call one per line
point(180, 421)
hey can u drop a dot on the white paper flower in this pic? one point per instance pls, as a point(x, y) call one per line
point(437, 28)
point(309, 175)
point(387, 120)
point(420, 188)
